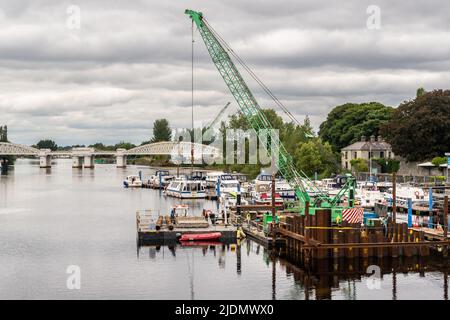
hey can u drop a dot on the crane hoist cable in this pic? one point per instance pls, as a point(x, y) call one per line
point(252, 73)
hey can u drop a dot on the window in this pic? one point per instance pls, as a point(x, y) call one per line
point(389, 155)
point(346, 155)
point(355, 155)
point(346, 165)
point(381, 154)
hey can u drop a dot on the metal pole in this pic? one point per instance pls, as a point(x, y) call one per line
point(394, 197)
point(409, 212)
point(274, 212)
point(445, 217)
point(370, 163)
point(430, 208)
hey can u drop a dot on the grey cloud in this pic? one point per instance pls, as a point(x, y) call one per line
point(129, 64)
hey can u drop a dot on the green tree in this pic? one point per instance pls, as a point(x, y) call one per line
point(315, 156)
point(47, 144)
point(346, 123)
point(124, 145)
point(387, 165)
point(359, 165)
point(101, 146)
point(437, 161)
point(419, 128)
point(420, 92)
point(161, 131)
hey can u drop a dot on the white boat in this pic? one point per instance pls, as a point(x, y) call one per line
point(224, 183)
point(229, 200)
point(403, 193)
point(186, 189)
point(368, 198)
point(211, 184)
point(261, 189)
point(330, 186)
point(132, 181)
point(243, 182)
point(160, 179)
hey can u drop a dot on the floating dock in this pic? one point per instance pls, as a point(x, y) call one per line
point(151, 229)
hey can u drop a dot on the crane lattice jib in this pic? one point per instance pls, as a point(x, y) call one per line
point(248, 104)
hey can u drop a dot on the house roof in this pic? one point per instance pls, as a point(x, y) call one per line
point(426, 164)
point(368, 145)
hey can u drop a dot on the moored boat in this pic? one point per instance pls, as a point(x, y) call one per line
point(186, 189)
point(132, 181)
point(200, 236)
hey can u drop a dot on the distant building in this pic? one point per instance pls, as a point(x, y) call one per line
point(366, 149)
point(3, 134)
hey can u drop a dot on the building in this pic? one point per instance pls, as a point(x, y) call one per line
point(366, 149)
point(3, 134)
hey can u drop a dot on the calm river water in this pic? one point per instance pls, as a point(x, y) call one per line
point(51, 219)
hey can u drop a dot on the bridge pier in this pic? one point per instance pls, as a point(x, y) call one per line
point(45, 159)
point(121, 158)
point(77, 162)
point(88, 162)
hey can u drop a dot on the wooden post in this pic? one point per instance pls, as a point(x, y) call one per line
point(394, 197)
point(445, 217)
point(307, 222)
point(445, 251)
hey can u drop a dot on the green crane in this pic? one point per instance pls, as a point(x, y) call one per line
point(258, 121)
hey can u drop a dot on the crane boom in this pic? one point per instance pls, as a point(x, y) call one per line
point(219, 115)
point(252, 111)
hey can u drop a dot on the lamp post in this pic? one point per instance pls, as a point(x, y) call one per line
point(370, 163)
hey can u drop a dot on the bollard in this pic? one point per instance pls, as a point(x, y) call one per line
point(409, 212)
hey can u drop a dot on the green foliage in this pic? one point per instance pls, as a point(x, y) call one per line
point(161, 131)
point(419, 128)
point(309, 155)
point(315, 156)
point(420, 92)
point(47, 144)
point(101, 146)
point(346, 123)
point(359, 165)
point(124, 145)
point(387, 165)
point(437, 161)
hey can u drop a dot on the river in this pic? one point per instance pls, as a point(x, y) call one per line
point(51, 219)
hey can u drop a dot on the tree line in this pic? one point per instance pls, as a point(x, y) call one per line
point(418, 130)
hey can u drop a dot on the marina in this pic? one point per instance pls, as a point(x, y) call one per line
point(152, 162)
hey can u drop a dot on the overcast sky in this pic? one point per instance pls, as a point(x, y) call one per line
point(129, 63)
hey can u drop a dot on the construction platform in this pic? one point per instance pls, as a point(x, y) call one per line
point(153, 229)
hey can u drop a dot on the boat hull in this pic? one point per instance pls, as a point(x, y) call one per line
point(201, 236)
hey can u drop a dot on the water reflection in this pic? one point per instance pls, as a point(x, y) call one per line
point(52, 219)
point(321, 279)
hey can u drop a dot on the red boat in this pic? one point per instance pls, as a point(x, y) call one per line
point(201, 236)
point(200, 243)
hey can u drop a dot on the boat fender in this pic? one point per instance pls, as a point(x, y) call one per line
point(240, 234)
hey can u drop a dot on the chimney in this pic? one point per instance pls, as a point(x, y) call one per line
point(363, 139)
point(380, 138)
point(372, 138)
